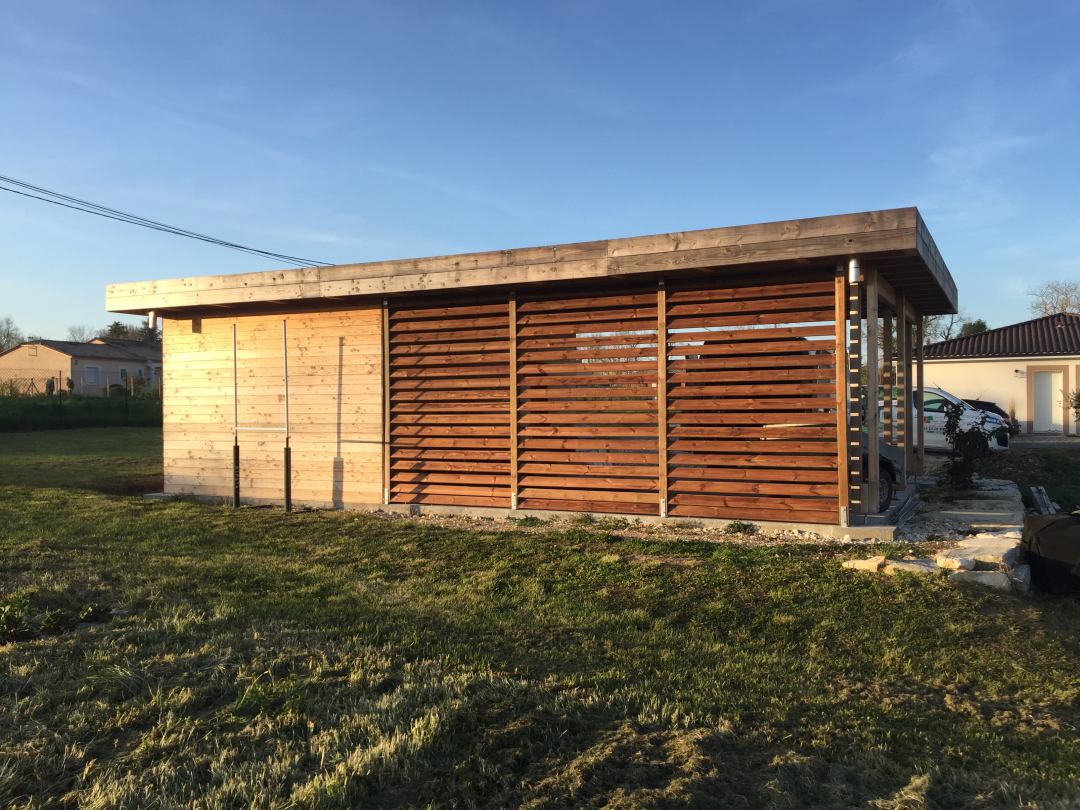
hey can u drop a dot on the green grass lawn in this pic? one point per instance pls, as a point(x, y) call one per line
point(85, 457)
point(249, 658)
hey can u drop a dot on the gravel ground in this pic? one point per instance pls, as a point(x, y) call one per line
point(660, 533)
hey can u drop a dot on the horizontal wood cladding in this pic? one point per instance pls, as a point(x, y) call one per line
point(701, 398)
point(335, 406)
point(555, 400)
point(587, 376)
point(752, 400)
point(449, 421)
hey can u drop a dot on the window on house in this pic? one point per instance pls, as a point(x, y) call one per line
point(92, 375)
point(138, 371)
point(123, 374)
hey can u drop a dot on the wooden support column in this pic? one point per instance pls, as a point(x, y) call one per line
point(386, 398)
point(920, 461)
point(854, 395)
point(873, 474)
point(661, 395)
point(888, 378)
point(903, 384)
point(840, 293)
point(513, 402)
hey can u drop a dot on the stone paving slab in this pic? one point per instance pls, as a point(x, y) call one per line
point(998, 580)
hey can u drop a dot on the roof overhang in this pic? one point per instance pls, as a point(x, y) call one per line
point(896, 242)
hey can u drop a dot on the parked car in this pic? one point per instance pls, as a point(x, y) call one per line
point(991, 407)
point(935, 410)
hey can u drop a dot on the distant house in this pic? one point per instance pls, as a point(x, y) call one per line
point(80, 368)
point(1027, 368)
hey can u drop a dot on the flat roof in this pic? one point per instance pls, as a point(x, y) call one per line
point(895, 241)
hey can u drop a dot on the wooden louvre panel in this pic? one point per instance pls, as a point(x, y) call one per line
point(751, 393)
point(587, 403)
point(450, 404)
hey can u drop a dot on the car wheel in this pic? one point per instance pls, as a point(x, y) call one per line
point(885, 488)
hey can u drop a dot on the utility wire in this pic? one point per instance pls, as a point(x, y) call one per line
point(111, 213)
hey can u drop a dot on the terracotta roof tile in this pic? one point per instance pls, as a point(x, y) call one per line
point(1054, 334)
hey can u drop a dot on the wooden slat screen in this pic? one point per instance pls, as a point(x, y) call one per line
point(450, 405)
point(587, 376)
point(752, 400)
point(750, 393)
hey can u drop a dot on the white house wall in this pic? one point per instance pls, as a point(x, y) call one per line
point(1006, 381)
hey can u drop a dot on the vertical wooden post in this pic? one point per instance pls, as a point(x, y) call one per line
point(513, 402)
point(920, 462)
point(903, 384)
point(887, 375)
point(873, 474)
point(854, 354)
point(236, 427)
point(842, 477)
point(386, 398)
point(288, 450)
point(661, 395)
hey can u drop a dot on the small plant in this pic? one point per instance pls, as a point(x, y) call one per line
point(968, 447)
point(52, 622)
point(740, 527)
point(584, 519)
point(1074, 403)
point(93, 612)
point(530, 520)
point(14, 619)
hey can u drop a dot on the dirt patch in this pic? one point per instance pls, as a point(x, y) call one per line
point(133, 485)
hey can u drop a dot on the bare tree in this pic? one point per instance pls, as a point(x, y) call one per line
point(1054, 297)
point(943, 327)
point(10, 336)
point(81, 334)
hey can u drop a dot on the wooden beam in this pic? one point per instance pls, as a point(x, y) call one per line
point(514, 486)
point(873, 474)
point(854, 432)
point(887, 374)
point(662, 394)
point(903, 384)
point(386, 399)
point(920, 461)
point(842, 477)
point(885, 233)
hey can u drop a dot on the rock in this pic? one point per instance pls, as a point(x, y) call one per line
point(990, 553)
point(1021, 578)
point(873, 564)
point(921, 567)
point(955, 563)
point(991, 579)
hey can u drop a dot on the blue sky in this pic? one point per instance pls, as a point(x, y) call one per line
point(349, 132)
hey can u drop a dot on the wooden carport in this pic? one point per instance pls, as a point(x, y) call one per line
point(532, 379)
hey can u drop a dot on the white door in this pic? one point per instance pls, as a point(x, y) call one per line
point(1047, 387)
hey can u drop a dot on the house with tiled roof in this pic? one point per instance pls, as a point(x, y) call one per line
point(1028, 368)
point(88, 369)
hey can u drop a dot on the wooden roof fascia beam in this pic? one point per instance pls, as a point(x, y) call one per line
point(731, 236)
point(725, 256)
point(928, 250)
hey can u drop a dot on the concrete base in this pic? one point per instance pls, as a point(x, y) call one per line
point(880, 533)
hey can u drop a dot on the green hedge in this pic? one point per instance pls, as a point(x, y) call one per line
point(52, 413)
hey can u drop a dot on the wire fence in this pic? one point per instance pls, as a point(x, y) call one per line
point(41, 400)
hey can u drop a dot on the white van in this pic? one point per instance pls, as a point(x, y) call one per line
point(935, 411)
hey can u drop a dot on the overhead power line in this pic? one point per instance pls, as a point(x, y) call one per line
point(64, 200)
